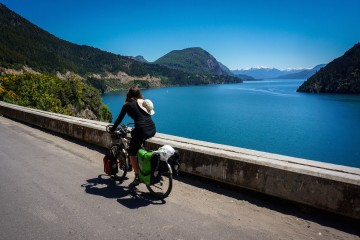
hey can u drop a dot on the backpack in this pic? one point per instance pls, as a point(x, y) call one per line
point(110, 163)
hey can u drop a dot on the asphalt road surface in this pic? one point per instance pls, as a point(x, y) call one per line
point(54, 188)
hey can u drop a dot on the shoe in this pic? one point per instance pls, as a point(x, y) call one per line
point(117, 178)
point(135, 182)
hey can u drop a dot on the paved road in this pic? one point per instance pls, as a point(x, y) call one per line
point(50, 188)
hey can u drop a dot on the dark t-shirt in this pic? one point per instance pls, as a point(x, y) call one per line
point(144, 125)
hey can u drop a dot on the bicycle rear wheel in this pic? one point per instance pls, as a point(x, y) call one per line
point(163, 188)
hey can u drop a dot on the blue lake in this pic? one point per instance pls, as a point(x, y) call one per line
point(264, 115)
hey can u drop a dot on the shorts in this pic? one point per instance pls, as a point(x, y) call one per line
point(138, 137)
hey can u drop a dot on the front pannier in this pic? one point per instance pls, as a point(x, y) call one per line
point(110, 163)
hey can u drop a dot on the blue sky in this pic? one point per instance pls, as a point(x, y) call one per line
point(240, 34)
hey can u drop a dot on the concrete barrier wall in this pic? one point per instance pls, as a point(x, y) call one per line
point(326, 186)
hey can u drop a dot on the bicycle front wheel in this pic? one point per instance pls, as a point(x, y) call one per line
point(162, 188)
point(122, 161)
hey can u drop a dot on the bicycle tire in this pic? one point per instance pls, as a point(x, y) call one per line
point(123, 164)
point(163, 188)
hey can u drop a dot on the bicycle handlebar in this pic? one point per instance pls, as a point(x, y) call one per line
point(121, 130)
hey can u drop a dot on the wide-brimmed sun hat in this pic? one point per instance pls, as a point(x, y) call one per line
point(146, 105)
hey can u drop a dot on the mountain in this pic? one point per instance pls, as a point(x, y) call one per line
point(245, 77)
point(225, 69)
point(26, 46)
point(266, 72)
point(23, 43)
point(303, 74)
point(140, 58)
point(342, 75)
point(260, 72)
point(193, 60)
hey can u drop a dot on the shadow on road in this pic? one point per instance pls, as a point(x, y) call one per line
point(108, 188)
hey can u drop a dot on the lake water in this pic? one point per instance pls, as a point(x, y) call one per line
point(264, 115)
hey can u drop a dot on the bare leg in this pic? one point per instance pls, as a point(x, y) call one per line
point(134, 164)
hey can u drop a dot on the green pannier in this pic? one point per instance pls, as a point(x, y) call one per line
point(144, 160)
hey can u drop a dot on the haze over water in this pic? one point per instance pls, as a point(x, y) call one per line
point(265, 115)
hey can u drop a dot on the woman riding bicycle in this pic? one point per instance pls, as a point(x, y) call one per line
point(140, 111)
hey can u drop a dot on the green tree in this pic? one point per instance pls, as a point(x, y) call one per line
point(49, 93)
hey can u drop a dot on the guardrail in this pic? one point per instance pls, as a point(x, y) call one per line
point(326, 186)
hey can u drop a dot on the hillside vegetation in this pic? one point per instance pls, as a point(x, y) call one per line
point(49, 93)
point(339, 76)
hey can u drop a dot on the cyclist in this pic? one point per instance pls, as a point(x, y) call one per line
point(140, 111)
